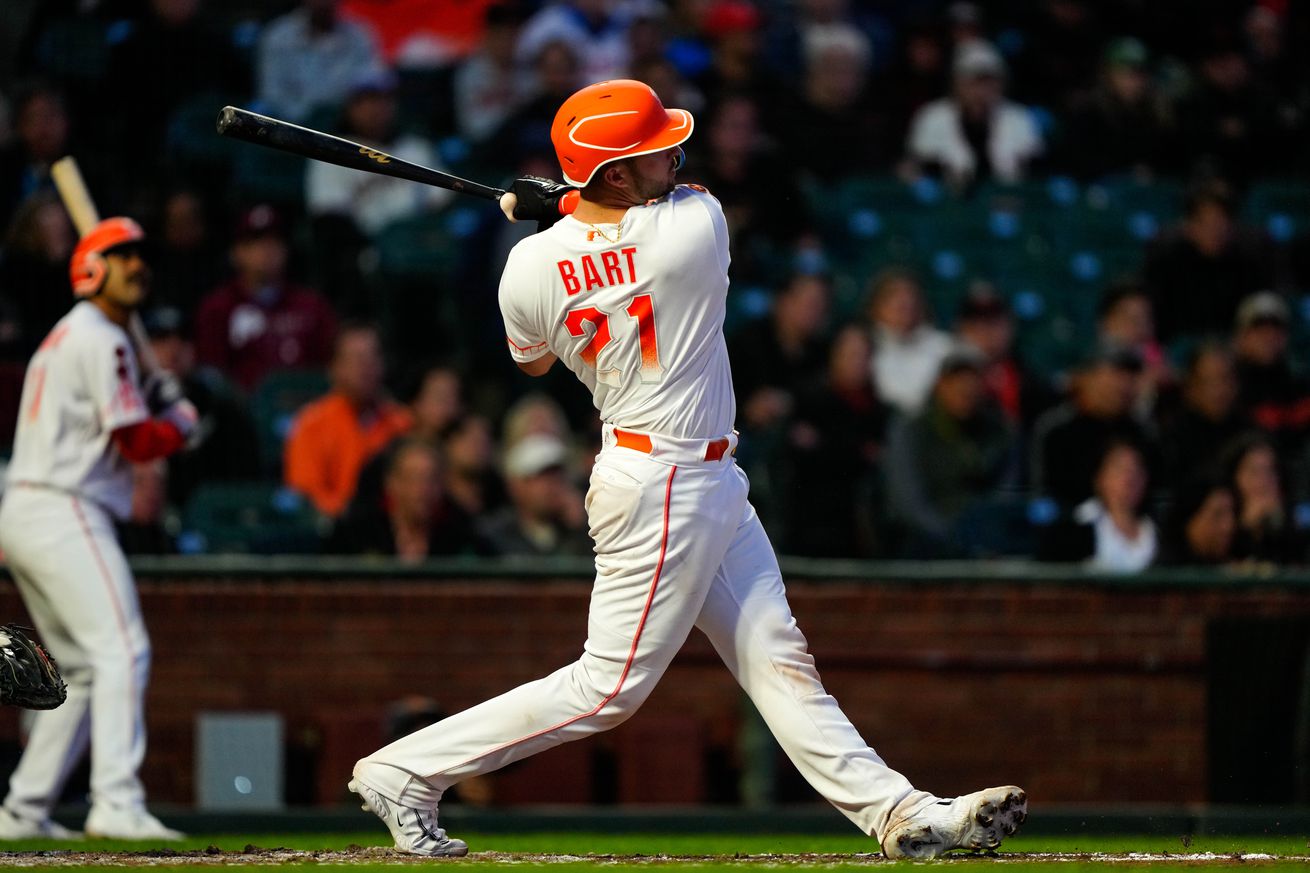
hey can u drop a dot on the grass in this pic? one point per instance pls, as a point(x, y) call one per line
point(690, 853)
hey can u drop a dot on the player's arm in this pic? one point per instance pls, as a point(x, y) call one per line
point(540, 366)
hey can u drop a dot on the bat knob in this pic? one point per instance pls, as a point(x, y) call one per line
point(227, 116)
point(507, 202)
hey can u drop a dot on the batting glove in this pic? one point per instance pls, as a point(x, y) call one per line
point(161, 390)
point(183, 415)
point(538, 200)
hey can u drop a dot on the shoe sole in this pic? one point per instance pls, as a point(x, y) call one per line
point(454, 849)
point(999, 813)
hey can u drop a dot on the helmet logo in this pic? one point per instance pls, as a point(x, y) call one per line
point(573, 131)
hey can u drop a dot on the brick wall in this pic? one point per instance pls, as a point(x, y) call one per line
point(1079, 692)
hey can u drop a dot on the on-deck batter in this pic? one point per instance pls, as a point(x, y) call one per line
point(83, 417)
point(629, 293)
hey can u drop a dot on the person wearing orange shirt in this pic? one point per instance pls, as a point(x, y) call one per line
point(333, 437)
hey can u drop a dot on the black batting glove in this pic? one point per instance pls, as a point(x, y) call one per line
point(161, 391)
point(538, 200)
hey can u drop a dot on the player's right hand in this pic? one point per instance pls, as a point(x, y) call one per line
point(182, 414)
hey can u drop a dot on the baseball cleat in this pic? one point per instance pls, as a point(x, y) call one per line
point(17, 827)
point(127, 823)
point(414, 830)
point(977, 822)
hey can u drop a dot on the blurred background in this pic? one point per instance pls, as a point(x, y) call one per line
point(1019, 304)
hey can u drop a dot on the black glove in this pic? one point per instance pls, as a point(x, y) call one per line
point(28, 676)
point(538, 200)
point(162, 390)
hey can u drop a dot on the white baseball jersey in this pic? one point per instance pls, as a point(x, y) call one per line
point(81, 386)
point(635, 309)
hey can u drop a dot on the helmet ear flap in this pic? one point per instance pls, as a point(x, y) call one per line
point(93, 271)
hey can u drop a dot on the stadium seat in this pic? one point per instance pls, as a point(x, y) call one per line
point(190, 137)
point(274, 405)
point(254, 517)
point(1279, 207)
point(262, 175)
point(74, 49)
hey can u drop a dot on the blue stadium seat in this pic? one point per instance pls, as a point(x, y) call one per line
point(1279, 207)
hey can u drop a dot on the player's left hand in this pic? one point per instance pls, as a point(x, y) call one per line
point(183, 415)
point(537, 199)
point(28, 676)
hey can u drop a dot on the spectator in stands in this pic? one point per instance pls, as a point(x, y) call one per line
point(1228, 124)
point(490, 84)
point(413, 520)
point(596, 29)
point(831, 130)
point(225, 446)
point(545, 515)
point(1199, 273)
point(1069, 440)
point(834, 445)
point(917, 77)
point(309, 58)
point(556, 74)
point(1276, 70)
point(471, 478)
point(187, 260)
point(332, 438)
point(535, 413)
point(1202, 526)
point(1124, 318)
point(1266, 530)
point(1271, 392)
point(1124, 126)
point(985, 322)
point(907, 349)
point(974, 134)
point(762, 219)
point(260, 322)
point(170, 55)
point(732, 28)
point(940, 462)
point(1209, 417)
point(435, 401)
point(776, 356)
point(34, 274)
point(371, 202)
point(1061, 42)
point(41, 125)
point(1109, 531)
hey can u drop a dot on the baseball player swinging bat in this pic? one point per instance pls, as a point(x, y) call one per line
point(284, 136)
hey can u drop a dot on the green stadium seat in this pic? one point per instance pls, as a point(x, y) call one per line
point(191, 139)
point(251, 517)
point(1279, 207)
point(262, 175)
point(274, 405)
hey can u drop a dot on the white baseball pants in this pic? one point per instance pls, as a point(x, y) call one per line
point(677, 545)
point(75, 582)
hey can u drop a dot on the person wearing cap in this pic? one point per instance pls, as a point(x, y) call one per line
point(308, 58)
point(1069, 440)
point(88, 414)
point(332, 438)
point(1275, 397)
point(367, 201)
point(259, 321)
point(1199, 272)
point(490, 84)
point(545, 514)
point(627, 288)
point(974, 133)
point(226, 447)
point(956, 452)
point(1123, 126)
point(1124, 317)
point(596, 29)
point(985, 322)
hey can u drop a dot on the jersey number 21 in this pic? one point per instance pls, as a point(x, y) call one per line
point(643, 311)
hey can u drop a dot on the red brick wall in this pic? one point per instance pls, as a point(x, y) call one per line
point(1080, 693)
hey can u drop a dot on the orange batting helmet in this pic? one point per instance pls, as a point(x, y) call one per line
point(612, 120)
point(87, 269)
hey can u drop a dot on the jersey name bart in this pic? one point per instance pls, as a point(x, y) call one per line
point(584, 274)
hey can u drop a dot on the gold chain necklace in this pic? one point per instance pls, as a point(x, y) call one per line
point(597, 232)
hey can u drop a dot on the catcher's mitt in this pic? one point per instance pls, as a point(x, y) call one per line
point(28, 676)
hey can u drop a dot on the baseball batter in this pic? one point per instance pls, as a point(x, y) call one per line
point(629, 293)
point(83, 417)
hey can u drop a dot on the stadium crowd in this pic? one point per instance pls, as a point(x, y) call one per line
point(338, 331)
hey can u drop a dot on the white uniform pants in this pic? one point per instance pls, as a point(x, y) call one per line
point(75, 582)
point(676, 546)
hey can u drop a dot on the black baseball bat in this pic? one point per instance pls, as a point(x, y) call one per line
point(283, 135)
